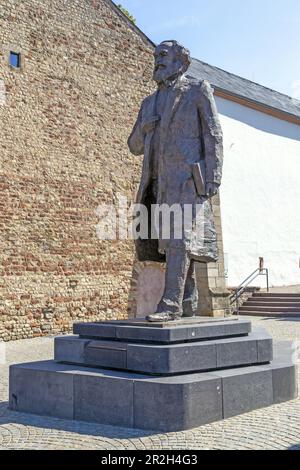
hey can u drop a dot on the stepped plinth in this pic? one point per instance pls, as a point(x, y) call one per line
point(163, 377)
point(165, 348)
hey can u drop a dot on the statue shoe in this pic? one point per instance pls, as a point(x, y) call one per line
point(188, 312)
point(188, 315)
point(162, 317)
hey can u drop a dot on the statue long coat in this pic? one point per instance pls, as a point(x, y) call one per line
point(190, 132)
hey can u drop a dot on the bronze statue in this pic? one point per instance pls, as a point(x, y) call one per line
point(179, 133)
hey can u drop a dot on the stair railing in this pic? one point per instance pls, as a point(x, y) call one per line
point(261, 271)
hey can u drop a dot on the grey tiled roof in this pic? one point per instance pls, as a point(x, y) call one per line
point(228, 82)
point(235, 85)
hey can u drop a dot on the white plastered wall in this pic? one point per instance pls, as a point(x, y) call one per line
point(260, 194)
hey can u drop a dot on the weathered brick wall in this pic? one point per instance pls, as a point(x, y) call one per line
point(63, 136)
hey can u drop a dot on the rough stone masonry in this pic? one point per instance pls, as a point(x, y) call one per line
point(65, 120)
point(64, 127)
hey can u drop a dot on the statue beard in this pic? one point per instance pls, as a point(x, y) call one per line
point(163, 75)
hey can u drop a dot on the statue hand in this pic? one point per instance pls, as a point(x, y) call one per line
point(212, 189)
point(150, 125)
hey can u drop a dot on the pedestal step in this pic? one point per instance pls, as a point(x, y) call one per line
point(153, 403)
point(170, 359)
point(139, 330)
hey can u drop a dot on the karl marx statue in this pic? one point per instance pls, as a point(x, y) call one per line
point(179, 133)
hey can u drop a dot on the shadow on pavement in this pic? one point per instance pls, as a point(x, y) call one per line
point(79, 427)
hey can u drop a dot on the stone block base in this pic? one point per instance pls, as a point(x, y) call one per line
point(170, 359)
point(153, 403)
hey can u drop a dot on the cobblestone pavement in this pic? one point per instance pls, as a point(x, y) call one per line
point(285, 290)
point(277, 427)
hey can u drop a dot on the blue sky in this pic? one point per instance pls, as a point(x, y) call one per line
point(256, 39)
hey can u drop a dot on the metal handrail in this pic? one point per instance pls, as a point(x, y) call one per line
point(243, 286)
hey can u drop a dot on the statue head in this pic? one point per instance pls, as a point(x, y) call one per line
point(171, 61)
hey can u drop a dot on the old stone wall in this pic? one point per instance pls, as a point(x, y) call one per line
point(64, 126)
point(65, 117)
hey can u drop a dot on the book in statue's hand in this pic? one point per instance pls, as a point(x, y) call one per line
point(198, 171)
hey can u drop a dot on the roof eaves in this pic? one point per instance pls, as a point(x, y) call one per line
point(246, 80)
point(218, 88)
point(258, 105)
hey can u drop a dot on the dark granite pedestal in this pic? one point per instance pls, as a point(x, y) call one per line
point(162, 377)
point(166, 349)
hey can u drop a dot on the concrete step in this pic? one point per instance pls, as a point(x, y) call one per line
point(270, 309)
point(282, 298)
point(267, 303)
point(255, 313)
point(274, 294)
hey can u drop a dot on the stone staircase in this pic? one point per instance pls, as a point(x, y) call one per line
point(271, 304)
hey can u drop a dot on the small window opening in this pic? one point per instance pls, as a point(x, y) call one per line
point(15, 59)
